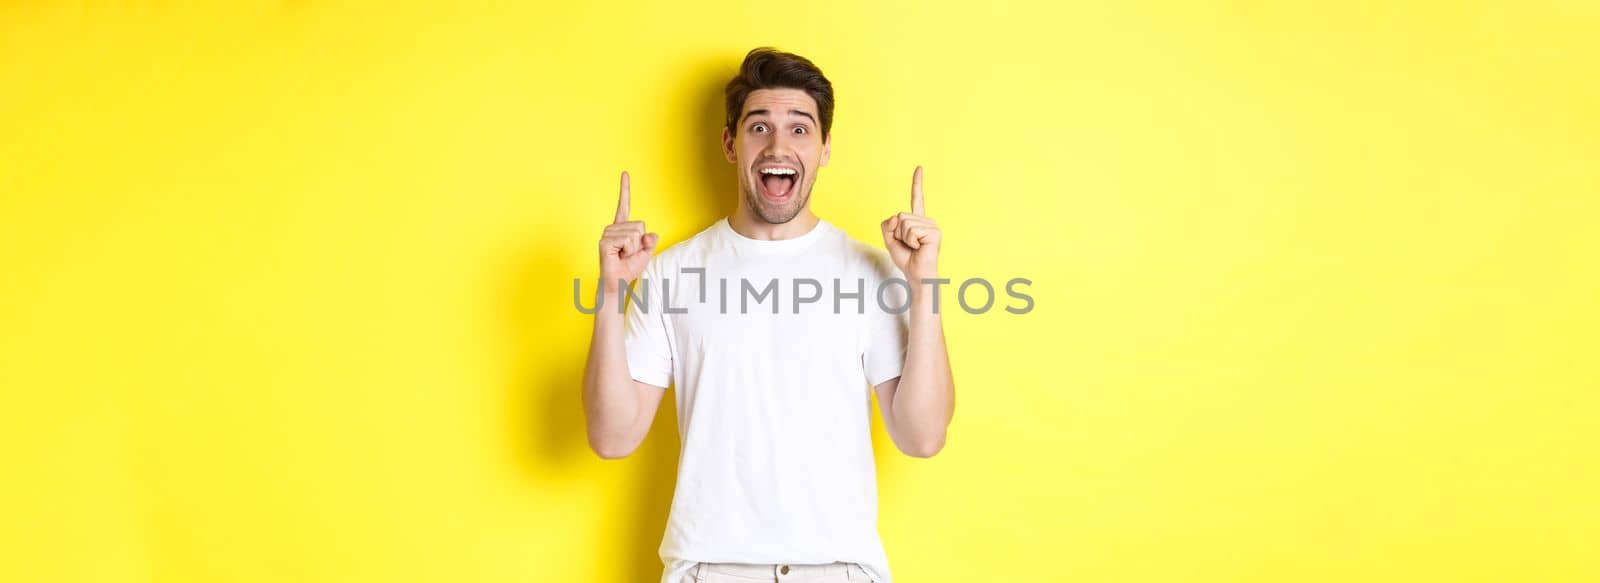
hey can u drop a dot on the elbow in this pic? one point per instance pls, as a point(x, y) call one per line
point(924, 448)
point(612, 449)
point(612, 452)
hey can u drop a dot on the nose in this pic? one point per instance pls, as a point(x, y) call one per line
point(779, 147)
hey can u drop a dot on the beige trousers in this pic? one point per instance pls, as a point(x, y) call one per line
point(751, 573)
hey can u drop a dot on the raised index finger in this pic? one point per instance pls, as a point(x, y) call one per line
point(916, 191)
point(622, 201)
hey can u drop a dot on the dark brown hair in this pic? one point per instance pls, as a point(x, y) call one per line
point(769, 68)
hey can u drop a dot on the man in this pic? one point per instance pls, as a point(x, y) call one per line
point(776, 479)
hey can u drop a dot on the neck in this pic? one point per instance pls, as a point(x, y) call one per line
point(745, 222)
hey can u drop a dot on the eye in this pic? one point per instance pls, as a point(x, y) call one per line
point(800, 130)
point(759, 127)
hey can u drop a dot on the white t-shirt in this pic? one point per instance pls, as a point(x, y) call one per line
point(774, 409)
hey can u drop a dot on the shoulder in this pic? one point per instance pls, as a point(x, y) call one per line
point(872, 260)
point(686, 252)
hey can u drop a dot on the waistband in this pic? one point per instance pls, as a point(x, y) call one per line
point(781, 571)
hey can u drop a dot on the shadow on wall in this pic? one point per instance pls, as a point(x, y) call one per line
point(545, 402)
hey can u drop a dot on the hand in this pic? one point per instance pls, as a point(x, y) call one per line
point(625, 247)
point(913, 239)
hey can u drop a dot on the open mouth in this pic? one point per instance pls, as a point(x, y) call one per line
point(778, 182)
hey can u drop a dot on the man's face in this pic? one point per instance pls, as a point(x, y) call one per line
point(777, 150)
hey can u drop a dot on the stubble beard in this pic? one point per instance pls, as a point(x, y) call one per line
point(777, 215)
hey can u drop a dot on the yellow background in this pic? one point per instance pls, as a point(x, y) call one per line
point(285, 287)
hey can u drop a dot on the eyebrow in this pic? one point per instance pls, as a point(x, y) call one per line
point(756, 112)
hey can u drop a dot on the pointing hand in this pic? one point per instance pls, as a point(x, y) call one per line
point(625, 247)
point(913, 238)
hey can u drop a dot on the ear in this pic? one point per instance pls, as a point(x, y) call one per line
point(827, 148)
point(727, 146)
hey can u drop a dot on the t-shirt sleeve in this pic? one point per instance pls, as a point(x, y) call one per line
point(885, 347)
point(646, 340)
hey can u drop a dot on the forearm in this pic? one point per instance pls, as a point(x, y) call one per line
point(610, 403)
point(924, 401)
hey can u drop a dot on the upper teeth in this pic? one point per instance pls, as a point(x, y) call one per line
point(781, 171)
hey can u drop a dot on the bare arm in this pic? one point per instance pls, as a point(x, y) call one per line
point(617, 410)
point(918, 406)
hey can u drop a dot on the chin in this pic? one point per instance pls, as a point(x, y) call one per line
point(780, 213)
